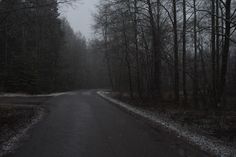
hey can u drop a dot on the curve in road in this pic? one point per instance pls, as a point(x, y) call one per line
point(81, 124)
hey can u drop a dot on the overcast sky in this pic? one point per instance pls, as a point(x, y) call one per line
point(80, 16)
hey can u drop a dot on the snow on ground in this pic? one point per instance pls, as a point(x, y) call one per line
point(12, 143)
point(37, 95)
point(213, 146)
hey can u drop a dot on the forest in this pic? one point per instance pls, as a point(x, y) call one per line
point(171, 50)
point(40, 53)
point(178, 51)
point(171, 64)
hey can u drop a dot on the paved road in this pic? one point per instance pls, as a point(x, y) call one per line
point(82, 124)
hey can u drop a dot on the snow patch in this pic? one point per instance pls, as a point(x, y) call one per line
point(213, 146)
point(37, 95)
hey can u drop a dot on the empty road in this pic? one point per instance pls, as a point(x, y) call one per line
point(82, 124)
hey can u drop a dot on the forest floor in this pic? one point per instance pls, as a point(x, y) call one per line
point(217, 127)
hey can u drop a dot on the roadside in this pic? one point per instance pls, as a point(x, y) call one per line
point(169, 121)
point(15, 121)
point(18, 113)
point(83, 124)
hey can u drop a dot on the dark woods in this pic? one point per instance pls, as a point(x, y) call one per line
point(38, 51)
point(172, 50)
point(165, 50)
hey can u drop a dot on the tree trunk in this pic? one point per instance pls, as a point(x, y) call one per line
point(195, 80)
point(176, 54)
point(213, 51)
point(184, 53)
point(137, 49)
point(217, 48)
point(107, 57)
point(127, 59)
point(225, 52)
point(156, 53)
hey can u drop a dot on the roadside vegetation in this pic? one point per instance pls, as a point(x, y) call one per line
point(173, 57)
point(14, 119)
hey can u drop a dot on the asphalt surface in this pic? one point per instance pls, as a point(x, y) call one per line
point(82, 124)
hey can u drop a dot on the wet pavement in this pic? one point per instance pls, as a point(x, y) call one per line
point(82, 124)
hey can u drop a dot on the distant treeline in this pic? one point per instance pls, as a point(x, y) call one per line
point(39, 52)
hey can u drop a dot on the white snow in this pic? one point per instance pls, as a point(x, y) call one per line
point(210, 145)
point(37, 95)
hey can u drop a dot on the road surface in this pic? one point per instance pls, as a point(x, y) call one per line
point(82, 124)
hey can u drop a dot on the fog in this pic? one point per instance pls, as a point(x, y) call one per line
point(80, 16)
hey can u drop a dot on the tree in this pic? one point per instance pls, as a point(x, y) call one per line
point(184, 52)
point(176, 52)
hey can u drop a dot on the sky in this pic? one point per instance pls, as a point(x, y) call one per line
point(80, 16)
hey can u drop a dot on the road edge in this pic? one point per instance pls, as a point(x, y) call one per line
point(205, 144)
point(13, 142)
